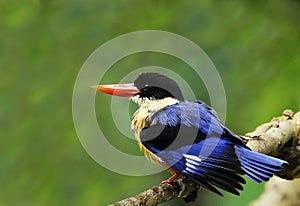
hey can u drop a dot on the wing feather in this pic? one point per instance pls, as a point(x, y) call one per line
point(189, 138)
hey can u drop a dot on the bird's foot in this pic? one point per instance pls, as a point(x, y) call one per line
point(171, 181)
point(189, 189)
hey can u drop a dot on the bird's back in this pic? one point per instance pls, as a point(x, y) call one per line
point(189, 138)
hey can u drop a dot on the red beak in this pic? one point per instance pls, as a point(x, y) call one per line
point(122, 90)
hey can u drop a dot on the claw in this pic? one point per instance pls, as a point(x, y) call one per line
point(171, 181)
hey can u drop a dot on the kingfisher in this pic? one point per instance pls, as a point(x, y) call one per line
point(188, 139)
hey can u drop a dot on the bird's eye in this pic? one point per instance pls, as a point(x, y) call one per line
point(146, 87)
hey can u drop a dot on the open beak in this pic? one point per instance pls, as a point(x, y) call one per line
point(122, 90)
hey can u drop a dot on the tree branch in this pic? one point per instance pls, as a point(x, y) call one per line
point(280, 138)
point(279, 192)
point(165, 192)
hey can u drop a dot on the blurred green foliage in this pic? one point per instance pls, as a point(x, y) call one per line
point(254, 44)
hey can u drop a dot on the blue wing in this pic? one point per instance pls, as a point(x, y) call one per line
point(196, 114)
point(190, 138)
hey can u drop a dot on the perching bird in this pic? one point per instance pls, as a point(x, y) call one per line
point(188, 138)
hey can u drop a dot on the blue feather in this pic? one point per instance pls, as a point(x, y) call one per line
point(189, 114)
point(215, 157)
point(258, 167)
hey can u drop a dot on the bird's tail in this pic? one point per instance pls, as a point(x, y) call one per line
point(258, 167)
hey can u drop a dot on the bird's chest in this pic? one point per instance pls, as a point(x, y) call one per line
point(139, 120)
point(138, 123)
point(142, 118)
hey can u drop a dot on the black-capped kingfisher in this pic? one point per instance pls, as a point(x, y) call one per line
point(188, 138)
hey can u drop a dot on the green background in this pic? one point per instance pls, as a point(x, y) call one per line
point(255, 46)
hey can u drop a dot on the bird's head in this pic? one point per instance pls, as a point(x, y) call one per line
point(148, 86)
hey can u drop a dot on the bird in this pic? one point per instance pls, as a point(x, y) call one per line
point(188, 139)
